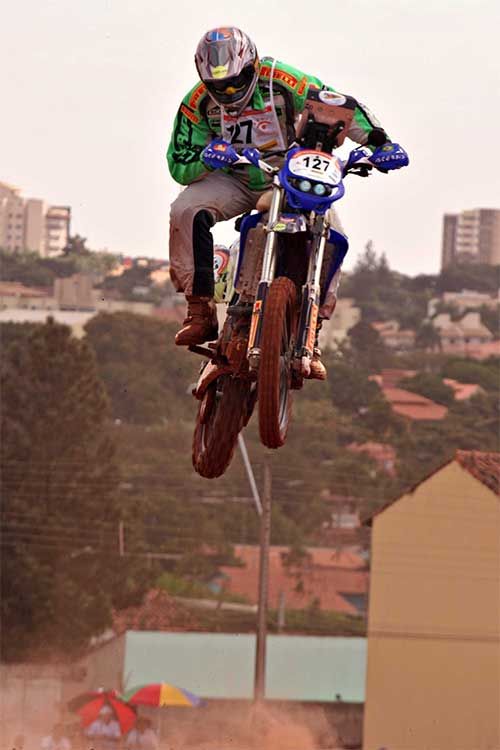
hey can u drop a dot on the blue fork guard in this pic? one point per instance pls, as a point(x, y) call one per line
point(341, 246)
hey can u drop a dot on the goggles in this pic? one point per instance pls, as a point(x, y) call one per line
point(227, 90)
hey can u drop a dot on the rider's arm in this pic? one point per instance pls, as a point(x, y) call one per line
point(365, 129)
point(190, 135)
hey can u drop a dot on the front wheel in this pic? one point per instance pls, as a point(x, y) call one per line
point(222, 413)
point(277, 342)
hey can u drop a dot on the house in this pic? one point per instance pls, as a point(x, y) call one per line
point(463, 301)
point(329, 579)
point(463, 336)
point(17, 296)
point(433, 671)
point(394, 337)
point(413, 406)
point(390, 378)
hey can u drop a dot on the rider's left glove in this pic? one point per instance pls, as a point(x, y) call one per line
point(389, 156)
point(219, 154)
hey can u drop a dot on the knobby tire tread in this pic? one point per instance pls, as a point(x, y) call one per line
point(280, 299)
point(212, 459)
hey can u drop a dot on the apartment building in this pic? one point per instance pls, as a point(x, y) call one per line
point(472, 236)
point(31, 224)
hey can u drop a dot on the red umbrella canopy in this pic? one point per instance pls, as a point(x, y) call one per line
point(88, 706)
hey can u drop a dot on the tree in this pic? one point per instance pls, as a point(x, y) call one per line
point(61, 574)
point(428, 338)
point(484, 374)
point(431, 386)
point(367, 346)
point(76, 246)
point(146, 379)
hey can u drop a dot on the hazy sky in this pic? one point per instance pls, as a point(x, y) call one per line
point(90, 90)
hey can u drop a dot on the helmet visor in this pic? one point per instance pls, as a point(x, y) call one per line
point(219, 53)
point(233, 88)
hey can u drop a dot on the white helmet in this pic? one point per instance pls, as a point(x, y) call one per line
point(227, 63)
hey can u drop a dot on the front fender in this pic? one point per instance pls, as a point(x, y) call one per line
point(210, 372)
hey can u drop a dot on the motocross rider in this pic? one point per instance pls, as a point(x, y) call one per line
point(247, 102)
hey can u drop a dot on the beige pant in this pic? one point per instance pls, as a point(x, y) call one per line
point(221, 196)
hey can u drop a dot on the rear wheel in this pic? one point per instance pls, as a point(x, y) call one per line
point(277, 342)
point(222, 413)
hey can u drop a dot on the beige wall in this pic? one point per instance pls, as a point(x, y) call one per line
point(34, 226)
point(433, 677)
point(335, 330)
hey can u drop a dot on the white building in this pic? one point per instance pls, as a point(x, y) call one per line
point(471, 236)
point(334, 331)
point(31, 224)
point(463, 301)
point(462, 336)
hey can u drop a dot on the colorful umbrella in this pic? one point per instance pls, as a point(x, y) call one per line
point(160, 694)
point(88, 706)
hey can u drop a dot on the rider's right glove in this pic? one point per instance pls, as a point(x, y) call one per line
point(389, 156)
point(219, 154)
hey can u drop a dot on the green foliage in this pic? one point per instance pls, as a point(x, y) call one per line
point(147, 383)
point(427, 337)
point(431, 386)
point(59, 558)
point(126, 283)
point(485, 374)
point(367, 348)
point(490, 317)
point(30, 269)
point(383, 294)
point(477, 276)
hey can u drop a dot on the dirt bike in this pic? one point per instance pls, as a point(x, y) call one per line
point(280, 280)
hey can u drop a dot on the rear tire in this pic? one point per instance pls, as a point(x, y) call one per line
point(278, 334)
point(221, 415)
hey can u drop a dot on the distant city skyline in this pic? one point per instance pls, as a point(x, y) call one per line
point(90, 97)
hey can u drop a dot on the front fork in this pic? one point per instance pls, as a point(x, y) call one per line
point(266, 279)
point(311, 290)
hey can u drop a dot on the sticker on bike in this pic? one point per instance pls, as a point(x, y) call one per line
point(316, 165)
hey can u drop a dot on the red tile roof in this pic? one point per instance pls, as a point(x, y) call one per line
point(413, 405)
point(483, 466)
point(462, 391)
point(16, 289)
point(325, 575)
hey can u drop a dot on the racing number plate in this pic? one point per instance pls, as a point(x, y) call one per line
point(316, 165)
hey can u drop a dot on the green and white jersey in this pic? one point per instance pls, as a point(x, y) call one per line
point(267, 123)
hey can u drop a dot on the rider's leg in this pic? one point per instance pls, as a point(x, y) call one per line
point(216, 197)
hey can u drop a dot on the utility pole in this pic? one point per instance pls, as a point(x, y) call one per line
point(265, 540)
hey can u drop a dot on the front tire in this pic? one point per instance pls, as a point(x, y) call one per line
point(278, 333)
point(221, 415)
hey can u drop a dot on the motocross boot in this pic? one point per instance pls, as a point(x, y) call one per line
point(318, 369)
point(200, 323)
